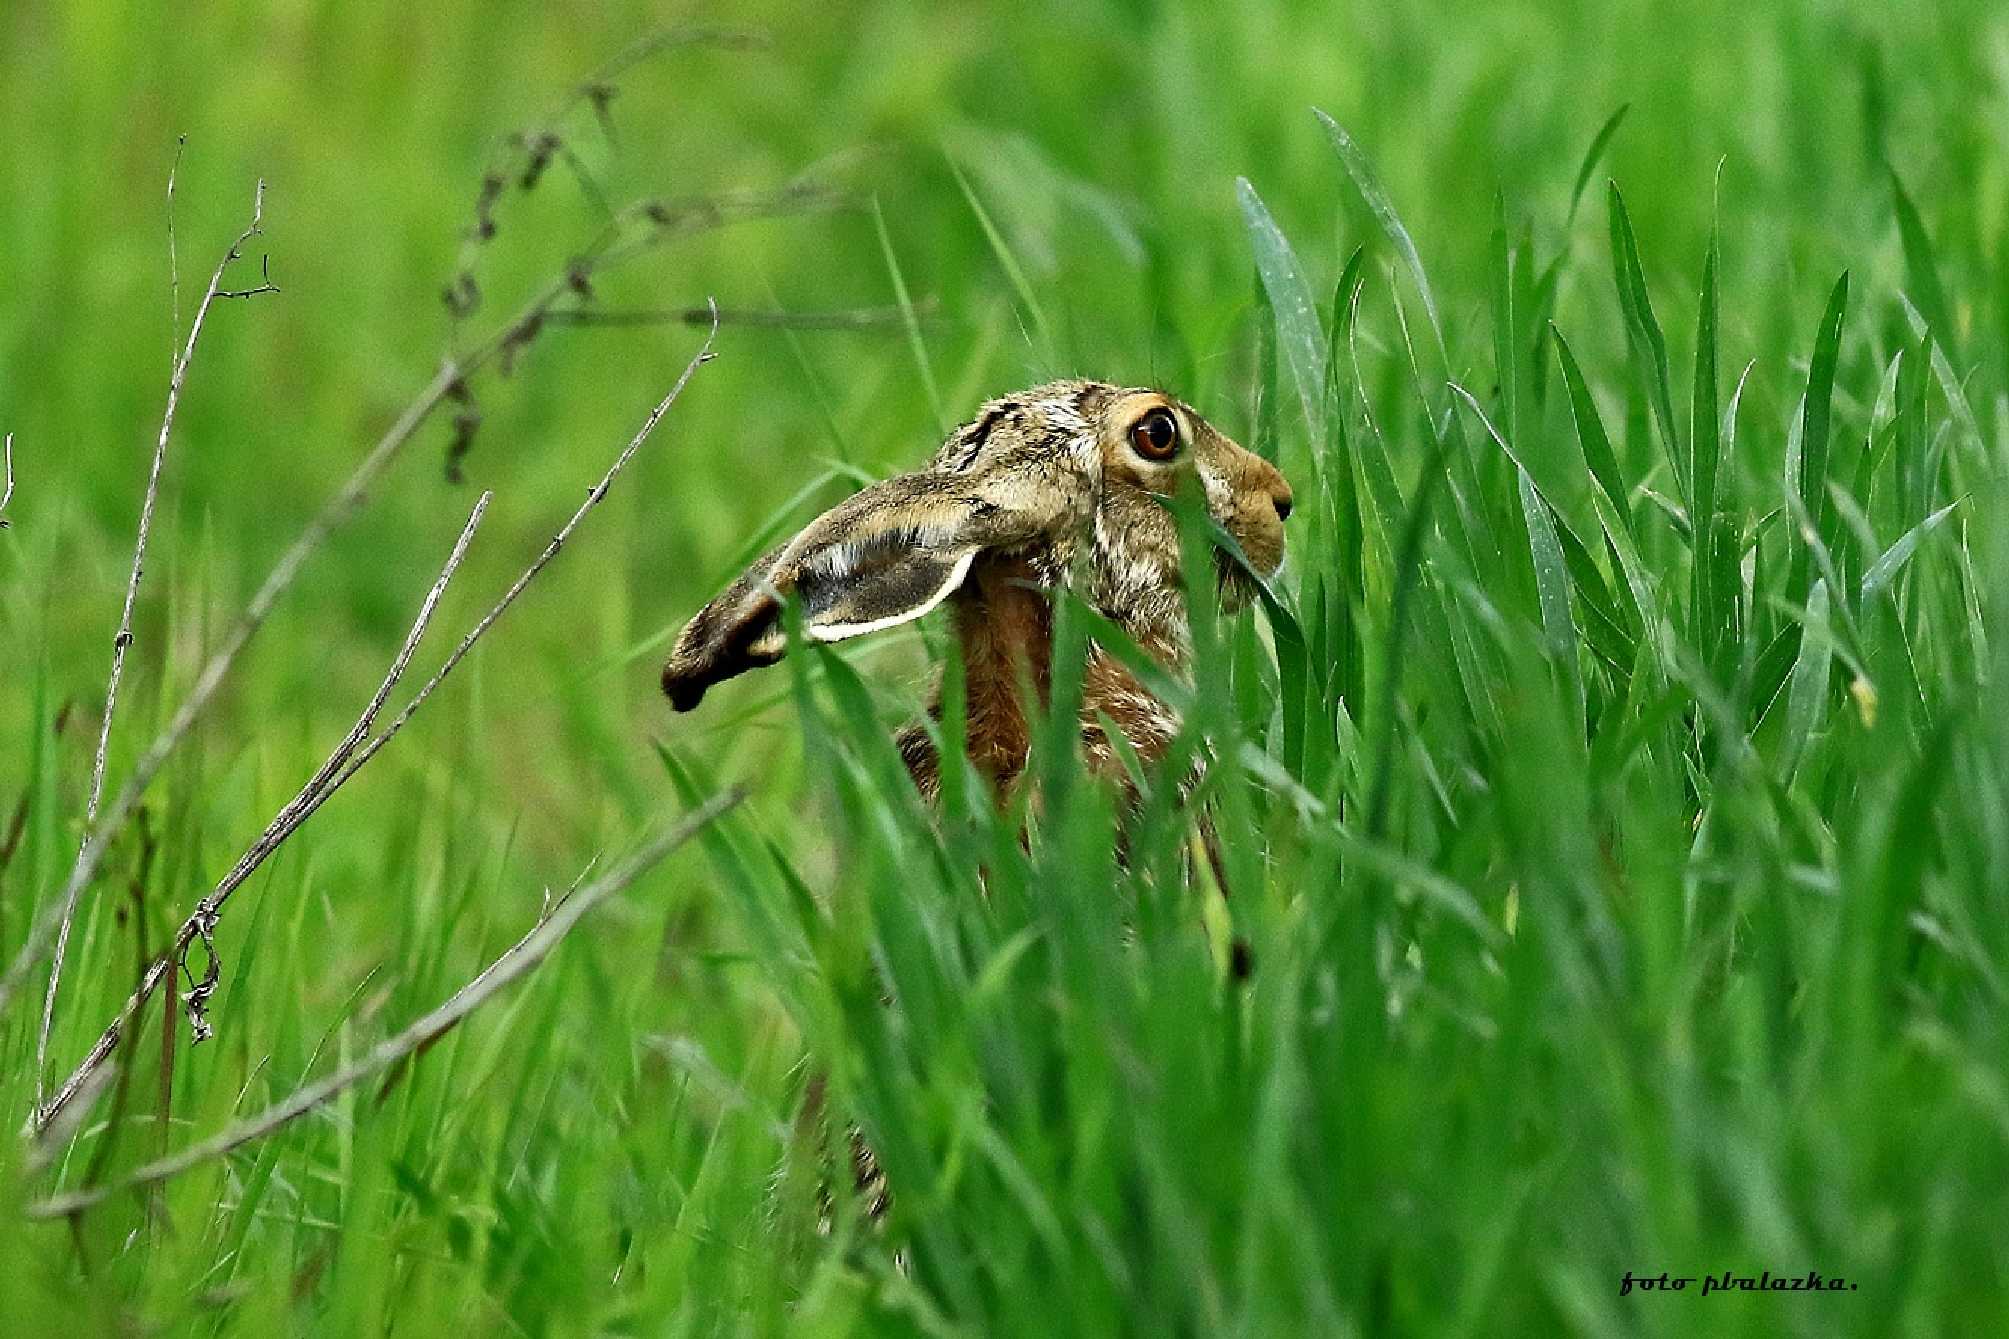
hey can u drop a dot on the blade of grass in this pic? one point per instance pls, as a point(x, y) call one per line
point(1920, 268)
point(1942, 371)
point(1552, 584)
point(1014, 272)
point(1298, 333)
point(1613, 641)
point(1408, 573)
point(912, 321)
point(1596, 446)
point(1711, 594)
point(1592, 156)
point(1649, 346)
point(1378, 204)
point(1891, 562)
point(1816, 414)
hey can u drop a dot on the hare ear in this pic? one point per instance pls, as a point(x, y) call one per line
point(884, 557)
point(738, 631)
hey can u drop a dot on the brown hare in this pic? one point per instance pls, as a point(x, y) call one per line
point(1056, 486)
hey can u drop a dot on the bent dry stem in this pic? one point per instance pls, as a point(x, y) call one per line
point(515, 963)
point(124, 637)
point(351, 756)
point(613, 245)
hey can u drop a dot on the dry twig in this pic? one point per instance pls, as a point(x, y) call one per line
point(310, 795)
point(174, 258)
point(626, 233)
point(616, 243)
point(847, 318)
point(7, 490)
point(124, 637)
point(512, 965)
point(525, 155)
point(333, 775)
point(56, 1136)
point(201, 925)
point(537, 564)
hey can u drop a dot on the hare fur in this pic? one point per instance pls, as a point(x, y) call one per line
point(1061, 485)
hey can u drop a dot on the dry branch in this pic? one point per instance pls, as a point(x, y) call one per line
point(124, 637)
point(593, 497)
point(308, 797)
point(525, 154)
point(7, 490)
point(173, 258)
point(51, 1141)
point(627, 232)
point(617, 242)
point(211, 678)
point(513, 964)
point(201, 923)
point(846, 318)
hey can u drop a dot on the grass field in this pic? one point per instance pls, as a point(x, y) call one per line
point(1615, 790)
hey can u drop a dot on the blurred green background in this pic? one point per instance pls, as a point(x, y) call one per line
point(1100, 143)
point(1103, 139)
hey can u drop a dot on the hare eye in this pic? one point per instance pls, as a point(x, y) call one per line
point(1156, 435)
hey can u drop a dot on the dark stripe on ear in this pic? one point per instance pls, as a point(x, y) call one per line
point(971, 440)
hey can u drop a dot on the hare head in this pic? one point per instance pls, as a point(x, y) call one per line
point(1060, 485)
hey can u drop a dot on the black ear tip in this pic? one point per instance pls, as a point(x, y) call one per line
point(684, 689)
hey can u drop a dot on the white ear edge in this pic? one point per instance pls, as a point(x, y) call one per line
point(837, 632)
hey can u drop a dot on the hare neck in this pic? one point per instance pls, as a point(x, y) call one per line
point(1004, 625)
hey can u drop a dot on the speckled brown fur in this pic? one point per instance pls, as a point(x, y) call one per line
point(1061, 484)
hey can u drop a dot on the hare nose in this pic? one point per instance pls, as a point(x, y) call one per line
point(1280, 496)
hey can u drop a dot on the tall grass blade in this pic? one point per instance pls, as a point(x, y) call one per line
point(1552, 583)
point(1591, 437)
point(1712, 589)
point(912, 322)
point(1891, 562)
point(1649, 346)
point(1014, 272)
point(1592, 157)
point(1816, 414)
point(1920, 267)
point(1354, 160)
point(1298, 334)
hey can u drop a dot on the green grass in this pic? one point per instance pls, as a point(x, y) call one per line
point(1612, 788)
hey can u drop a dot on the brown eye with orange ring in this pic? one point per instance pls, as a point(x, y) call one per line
point(1156, 435)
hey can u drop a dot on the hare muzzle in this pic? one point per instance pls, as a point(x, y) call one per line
point(1260, 504)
